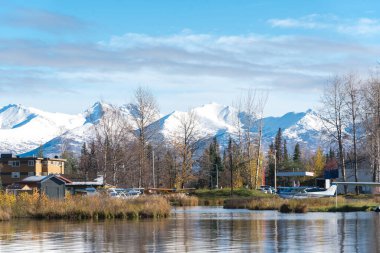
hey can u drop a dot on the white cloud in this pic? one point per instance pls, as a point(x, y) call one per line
point(313, 21)
point(191, 68)
point(361, 26)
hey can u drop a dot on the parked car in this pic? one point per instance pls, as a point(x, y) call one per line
point(133, 192)
point(268, 189)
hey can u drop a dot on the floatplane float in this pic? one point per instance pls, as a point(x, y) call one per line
point(306, 192)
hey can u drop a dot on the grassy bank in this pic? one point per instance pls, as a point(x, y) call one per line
point(217, 197)
point(77, 207)
point(181, 199)
point(345, 204)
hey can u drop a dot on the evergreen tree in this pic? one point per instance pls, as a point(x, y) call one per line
point(270, 172)
point(84, 161)
point(285, 154)
point(215, 162)
point(93, 169)
point(297, 154)
point(278, 145)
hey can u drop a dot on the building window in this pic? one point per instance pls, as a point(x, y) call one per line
point(31, 163)
point(15, 175)
point(31, 174)
point(14, 163)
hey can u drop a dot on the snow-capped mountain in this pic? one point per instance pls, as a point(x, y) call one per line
point(23, 130)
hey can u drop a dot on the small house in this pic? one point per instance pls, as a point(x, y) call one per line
point(53, 186)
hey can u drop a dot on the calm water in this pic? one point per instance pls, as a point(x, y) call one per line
point(201, 229)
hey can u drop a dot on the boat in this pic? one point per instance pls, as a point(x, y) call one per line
point(306, 192)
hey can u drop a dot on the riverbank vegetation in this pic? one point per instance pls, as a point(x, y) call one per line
point(181, 199)
point(77, 207)
point(344, 204)
point(217, 197)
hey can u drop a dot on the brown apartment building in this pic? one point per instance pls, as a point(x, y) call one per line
point(14, 169)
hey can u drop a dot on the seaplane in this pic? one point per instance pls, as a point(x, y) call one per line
point(306, 192)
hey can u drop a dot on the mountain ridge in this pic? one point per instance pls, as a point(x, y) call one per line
point(29, 128)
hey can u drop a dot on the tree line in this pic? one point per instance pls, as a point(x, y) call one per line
point(131, 151)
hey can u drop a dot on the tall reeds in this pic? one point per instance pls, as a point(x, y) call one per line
point(78, 207)
point(303, 205)
point(181, 199)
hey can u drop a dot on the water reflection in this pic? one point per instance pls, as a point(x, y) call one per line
point(200, 229)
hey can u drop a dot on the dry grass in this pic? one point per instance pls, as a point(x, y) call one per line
point(217, 197)
point(77, 207)
point(253, 203)
point(181, 199)
point(345, 204)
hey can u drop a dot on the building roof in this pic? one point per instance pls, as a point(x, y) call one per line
point(295, 174)
point(38, 179)
point(67, 181)
point(33, 179)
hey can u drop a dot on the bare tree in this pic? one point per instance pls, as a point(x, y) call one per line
point(185, 140)
point(144, 113)
point(112, 134)
point(352, 104)
point(261, 102)
point(332, 115)
point(371, 93)
point(249, 123)
point(254, 105)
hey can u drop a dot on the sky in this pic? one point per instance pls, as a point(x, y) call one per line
point(65, 55)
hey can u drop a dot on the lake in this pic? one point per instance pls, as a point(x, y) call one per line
point(200, 229)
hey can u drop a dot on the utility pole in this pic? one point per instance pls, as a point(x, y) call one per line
point(154, 180)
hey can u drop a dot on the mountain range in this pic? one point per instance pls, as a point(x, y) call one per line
point(24, 129)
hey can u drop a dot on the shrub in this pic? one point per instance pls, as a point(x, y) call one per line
point(285, 208)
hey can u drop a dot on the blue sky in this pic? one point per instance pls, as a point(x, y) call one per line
point(65, 55)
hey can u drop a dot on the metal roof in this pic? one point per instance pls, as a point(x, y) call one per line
point(34, 179)
point(295, 174)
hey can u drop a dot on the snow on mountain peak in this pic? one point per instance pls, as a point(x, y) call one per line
point(13, 116)
point(23, 129)
point(96, 112)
